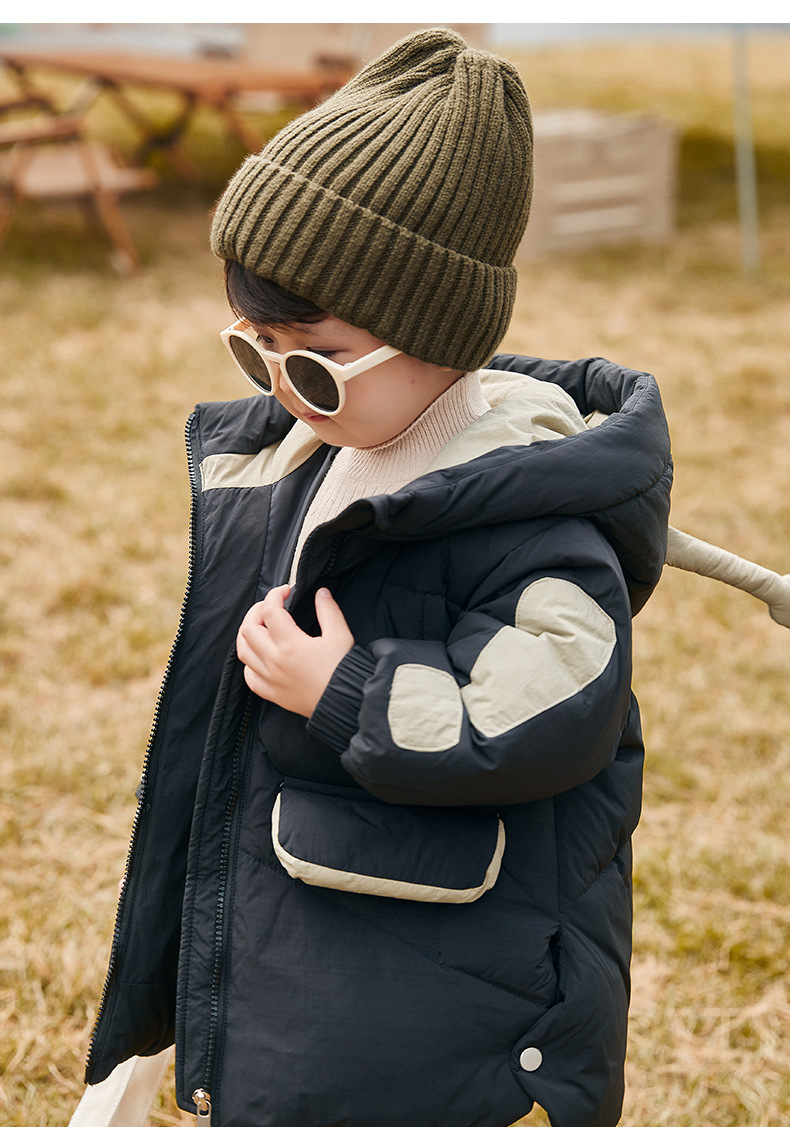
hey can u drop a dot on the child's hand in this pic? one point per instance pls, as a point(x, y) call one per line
point(282, 663)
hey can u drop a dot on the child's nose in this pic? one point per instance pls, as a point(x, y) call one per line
point(283, 382)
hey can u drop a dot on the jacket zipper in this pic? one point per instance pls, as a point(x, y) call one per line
point(202, 1101)
point(193, 521)
point(332, 559)
point(337, 542)
point(202, 1096)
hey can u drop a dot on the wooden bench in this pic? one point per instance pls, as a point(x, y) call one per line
point(49, 157)
point(220, 84)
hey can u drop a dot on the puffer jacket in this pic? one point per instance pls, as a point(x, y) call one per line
point(413, 909)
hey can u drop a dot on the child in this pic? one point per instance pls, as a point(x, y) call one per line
point(380, 872)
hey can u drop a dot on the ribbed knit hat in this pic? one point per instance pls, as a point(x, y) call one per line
point(397, 204)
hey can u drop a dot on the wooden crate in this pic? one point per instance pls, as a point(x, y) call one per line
point(600, 178)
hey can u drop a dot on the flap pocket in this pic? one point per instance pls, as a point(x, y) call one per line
point(343, 838)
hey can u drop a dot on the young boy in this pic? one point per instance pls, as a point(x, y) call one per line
point(380, 870)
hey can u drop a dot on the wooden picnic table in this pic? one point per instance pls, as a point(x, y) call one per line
point(215, 83)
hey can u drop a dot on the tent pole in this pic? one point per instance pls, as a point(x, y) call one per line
point(744, 154)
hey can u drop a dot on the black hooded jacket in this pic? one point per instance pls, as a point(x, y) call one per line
point(414, 908)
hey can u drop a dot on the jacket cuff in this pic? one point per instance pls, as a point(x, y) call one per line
point(335, 719)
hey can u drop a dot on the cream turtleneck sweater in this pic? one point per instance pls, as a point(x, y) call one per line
point(362, 472)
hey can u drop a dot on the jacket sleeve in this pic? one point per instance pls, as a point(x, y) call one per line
point(527, 697)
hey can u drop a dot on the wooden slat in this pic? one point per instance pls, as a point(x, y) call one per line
point(62, 172)
point(40, 130)
point(209, 80)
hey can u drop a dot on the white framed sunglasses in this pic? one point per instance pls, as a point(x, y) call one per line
point(319, 383)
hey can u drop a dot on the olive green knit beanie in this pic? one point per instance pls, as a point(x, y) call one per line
point(397, 204)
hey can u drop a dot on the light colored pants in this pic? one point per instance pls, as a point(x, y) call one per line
point(126, 1097)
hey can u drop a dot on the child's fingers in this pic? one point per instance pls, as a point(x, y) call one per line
point(258, 684)
point(251, 655)
point(273, 614)
point(267, 615)
point(255, 640)
point(331, 618)
point(277, 595)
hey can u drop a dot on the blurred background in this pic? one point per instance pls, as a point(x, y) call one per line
point(660, 239)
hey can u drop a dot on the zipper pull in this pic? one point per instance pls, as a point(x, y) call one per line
point(203, 1101)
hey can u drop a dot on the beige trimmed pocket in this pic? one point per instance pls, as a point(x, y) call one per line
point(337, 837)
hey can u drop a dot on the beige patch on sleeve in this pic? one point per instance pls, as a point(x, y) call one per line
point(425, 711)
point(561, 642)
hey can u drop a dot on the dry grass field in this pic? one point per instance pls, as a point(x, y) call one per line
point(98, 374)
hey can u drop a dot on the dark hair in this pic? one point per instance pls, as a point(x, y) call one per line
point(264, 302)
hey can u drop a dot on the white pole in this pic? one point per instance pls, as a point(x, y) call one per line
point(744, 154)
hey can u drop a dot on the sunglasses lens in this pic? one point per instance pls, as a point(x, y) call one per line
point(251, 363)
point(314, 383)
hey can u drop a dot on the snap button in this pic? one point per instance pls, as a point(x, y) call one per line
point(530, 1059)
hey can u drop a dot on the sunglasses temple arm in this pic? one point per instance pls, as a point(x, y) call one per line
point(380, 355)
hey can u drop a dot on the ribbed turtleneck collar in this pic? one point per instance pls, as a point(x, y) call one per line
point(402, 458)
point(358, 472)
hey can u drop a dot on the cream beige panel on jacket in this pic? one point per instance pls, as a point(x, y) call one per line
point(560, 642)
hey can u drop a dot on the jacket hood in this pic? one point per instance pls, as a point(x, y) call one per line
point(583, 438)
point(597, 449)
